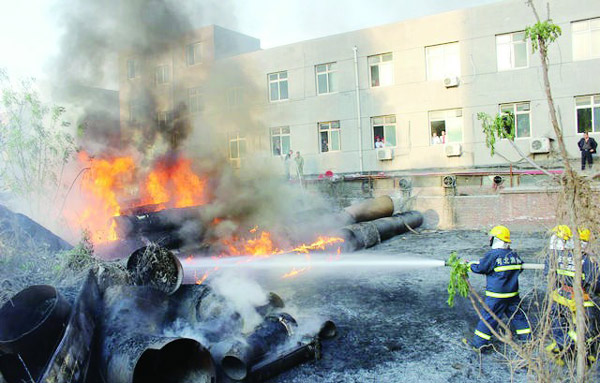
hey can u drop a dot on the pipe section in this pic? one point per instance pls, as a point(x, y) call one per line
point(32, 324)
point(367, 234)
point(157, 267)
point(371, 209)
point(275, 365)
point(273, 332)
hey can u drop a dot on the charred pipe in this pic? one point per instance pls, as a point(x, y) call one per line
point(132, 348)
point(367, 234)
point(157, 267)
point(72, 356)
point(170, 227)
point(32, 324)
point(275, 365)
point(273, 332)
point(328, 330)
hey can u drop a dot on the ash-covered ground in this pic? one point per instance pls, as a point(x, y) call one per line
point(394, 324)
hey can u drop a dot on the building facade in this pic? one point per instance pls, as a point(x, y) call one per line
point(397, 98)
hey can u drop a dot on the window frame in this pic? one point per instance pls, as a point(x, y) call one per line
point(136, 68)
point(328, 71)
point(278, 81)
point(163, 122)
point(379, 63)
point(589, 30)
point(194, 60)
point(515, 113)
point(329, 131)
point(279, 134)
point(456, 110)
point(237, 138)
point(593, 104)
point(445, 58)
point(384, 125)
point(512, 51)
point(135, 106)
point(197, 94)
point(165, 71)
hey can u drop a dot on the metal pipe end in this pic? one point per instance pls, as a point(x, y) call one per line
point(234, 367)
point(328, 330)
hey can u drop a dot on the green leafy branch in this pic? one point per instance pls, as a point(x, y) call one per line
point(542, 33)
point(502, 126)
point(459, 273)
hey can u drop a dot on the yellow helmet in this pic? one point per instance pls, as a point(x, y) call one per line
point(584, 234)
point(563, 232)
point(501, 232)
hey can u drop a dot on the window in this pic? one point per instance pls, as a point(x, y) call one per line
point(384, 131)
point(443, 61)
point(194, 100)
point(586, 39)
point(235, 96)
point(193, 53)
point(511, 51)
point(588, 113)
point(278, 86)
point(135, 112)
point(237, 146)
point(381, 69)
point(522, 113)
point(329, 136)
point(133, 68)
point(161, 74)
point(326, 78)
point(280, 140)
point(447, 124)
point(162, 119)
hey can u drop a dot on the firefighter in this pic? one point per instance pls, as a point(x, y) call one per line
point(502, 267)
point(560, 265)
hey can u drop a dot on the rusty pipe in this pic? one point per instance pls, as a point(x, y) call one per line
point(370, 209)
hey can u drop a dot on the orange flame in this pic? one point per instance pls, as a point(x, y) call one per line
point(109, 182)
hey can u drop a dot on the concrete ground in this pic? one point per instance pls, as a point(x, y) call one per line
point(394, 325)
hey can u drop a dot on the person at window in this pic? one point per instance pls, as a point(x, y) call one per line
point(502, 267)
point(587, 145)
point(299, 166)
point(435, 140)
point(378, 142)
point(443, 137)
point(324, 146)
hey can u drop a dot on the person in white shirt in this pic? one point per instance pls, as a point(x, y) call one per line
point(435, 140)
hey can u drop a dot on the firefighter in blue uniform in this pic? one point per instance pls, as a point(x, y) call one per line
point(560, 264)
point(502, 267)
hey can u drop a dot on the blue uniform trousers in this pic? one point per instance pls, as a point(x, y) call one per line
point(500, 307)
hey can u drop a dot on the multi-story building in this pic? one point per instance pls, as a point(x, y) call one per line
point(392, 98)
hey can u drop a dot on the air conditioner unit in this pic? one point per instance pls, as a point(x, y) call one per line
point(385, 154)
point(453, 150)
point(539, 145)
point(450, 82)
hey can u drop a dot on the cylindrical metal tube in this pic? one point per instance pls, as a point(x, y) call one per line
point(285, 360)
point(157, 267)
point(270, 334)
point(367, 234)
point(371, 209)
point(32, 324)
point(328, 330)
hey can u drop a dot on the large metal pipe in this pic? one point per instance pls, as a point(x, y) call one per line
point(370, 209)
point(367, 234)
point(132, 348)
point(32, 324)
point(157, 267)
point(273, 332)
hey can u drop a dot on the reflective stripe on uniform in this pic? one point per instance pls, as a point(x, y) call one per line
point(483, 335)
point(507, 268)
point(524, 331)
point(501, 295)
point(568, 273)
point(570, 303)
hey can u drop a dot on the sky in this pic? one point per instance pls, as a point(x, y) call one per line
point(30, 30)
